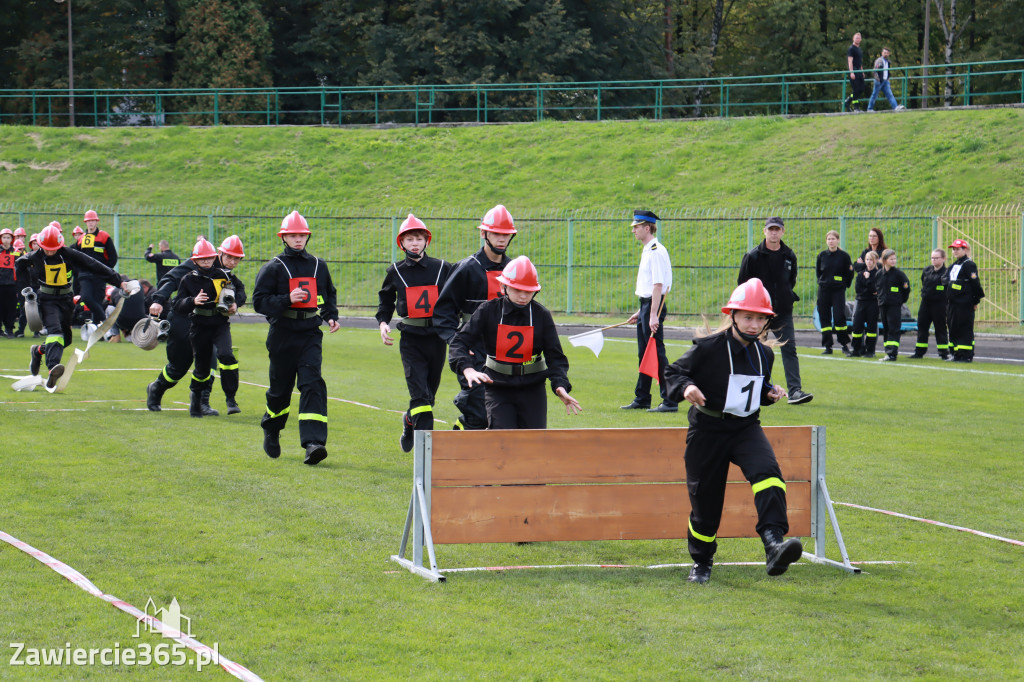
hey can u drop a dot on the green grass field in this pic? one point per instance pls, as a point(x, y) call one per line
point(286, 567)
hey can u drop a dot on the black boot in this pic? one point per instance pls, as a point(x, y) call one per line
point(407, 431)
point(195, 405)
point(272, 443)
point(780, 552)
point(700, 573)
point(315, 453)
point(204, 404)
point(154, 394)
point(233, 407)
point(35, 359)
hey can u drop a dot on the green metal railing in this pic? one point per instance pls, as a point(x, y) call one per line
point(971, 83)
point(587, 259)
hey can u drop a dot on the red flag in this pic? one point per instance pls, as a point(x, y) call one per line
point(649, 364)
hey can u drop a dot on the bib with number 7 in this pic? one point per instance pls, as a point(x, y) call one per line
point(743, 397)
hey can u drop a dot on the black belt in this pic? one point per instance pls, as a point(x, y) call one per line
point(205, 312)
point(55, 291)
point(516, 370)
point(718, 414)
point(300, 314)
point(418, 321)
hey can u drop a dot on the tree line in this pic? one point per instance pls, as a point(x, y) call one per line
point(303, 43)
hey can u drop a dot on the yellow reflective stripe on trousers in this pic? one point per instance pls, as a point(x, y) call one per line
point(272, 415)
point(221, 365)
point(202, 381)
point(54, 338)
point(702, 538)
point(420, 410)
point(168, 377)
point(767, 483)
point(313, 416)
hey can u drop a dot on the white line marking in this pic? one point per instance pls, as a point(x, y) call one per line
point(910, 364)
point(934, 523)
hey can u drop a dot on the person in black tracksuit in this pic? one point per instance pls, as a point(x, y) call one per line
point(8, 284)
point(294, 291)
point(97, 244)
point(165, 260)
point(835, 273)
point(933, 307)
point(522, 350)
point(893, 291)
point(964, 295)
point(53, 266)
point(473, 281)
point(726, 377)
point(198, 298)
point(412, 287)
point(865, 315)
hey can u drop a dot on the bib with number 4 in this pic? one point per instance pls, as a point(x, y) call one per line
point(743, 397)
point(420, 300)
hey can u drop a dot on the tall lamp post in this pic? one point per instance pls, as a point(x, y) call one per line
point(71, 68)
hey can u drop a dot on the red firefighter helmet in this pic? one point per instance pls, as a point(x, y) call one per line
point(750, 296)
point(78, 231)
point(520, 273)
point(294, 223)
point(108, 291)
point(411, 224)
point(203, 249)
point(33, 238)
point(19, 245)
point(90, 215)
point(55, 224)
point(6, 230)
point(19, 232)
point(959, 244)
point(498, 220)
point(232, 246)
point(51, 238)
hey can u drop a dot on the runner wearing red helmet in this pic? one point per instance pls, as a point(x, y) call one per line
point(294, 291)
point(54, 267)
point(726, 376)
point(521, 350)
point(474, 281)
point(412, 287)
point(97, 244)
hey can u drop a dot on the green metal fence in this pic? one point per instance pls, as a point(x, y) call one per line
point(587, 259)
point(970, 83)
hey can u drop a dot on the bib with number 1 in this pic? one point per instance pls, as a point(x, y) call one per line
point(744, 395)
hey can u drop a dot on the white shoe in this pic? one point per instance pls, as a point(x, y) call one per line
point(900, 107)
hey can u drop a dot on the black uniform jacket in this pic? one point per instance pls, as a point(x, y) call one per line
point(780, 281)
point(271, 295)
point(933, 288)
point(169, 283)
point(212, 281)
point(481, 331)
point(706, 364)
point(59, 269)
point(867, 287)
point(425, 272)
point(859, 266)
point(893, 287)
point(834, 270)
point(164, 261)
point(966, 288)
point(7, 271)
point(465, 289)
point(98, 245)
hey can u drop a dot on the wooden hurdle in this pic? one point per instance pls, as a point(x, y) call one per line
point(592, 484)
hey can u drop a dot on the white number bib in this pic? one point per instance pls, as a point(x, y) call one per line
point(744, 395)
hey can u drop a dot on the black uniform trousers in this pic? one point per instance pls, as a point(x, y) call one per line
point(961, 330)
point(856, 97)
point(205, 342)
point(179, 351)
point(932, 312)
point(8, 307)
point(516, 407)
point(470, 402)
point(891, 315)
point(55, 312)
point(297, 356)
point(423, 358)
point(708, 455)
point(832, 315)
point(93, 293)
point(865, 327)
point(643, 335)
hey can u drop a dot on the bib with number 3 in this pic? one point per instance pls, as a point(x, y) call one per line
point(743, 397)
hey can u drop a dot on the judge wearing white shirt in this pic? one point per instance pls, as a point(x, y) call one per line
point(653, 282)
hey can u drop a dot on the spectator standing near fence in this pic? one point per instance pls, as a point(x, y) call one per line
point(99, 245)
point(965, 293)
point(164, 261)
point(835, 273)
point(411, 287)
point(876, 243)
point(522, 350)
point(933, 306)
point(8, 284)
point(854, 63)
point(775, 265)
point(865, 316)
point(893, 291)
point(653, 282)
point(881, 74)
point(726, 376)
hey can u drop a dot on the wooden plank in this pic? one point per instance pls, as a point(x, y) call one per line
point(593, 512)
point(588, 456)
